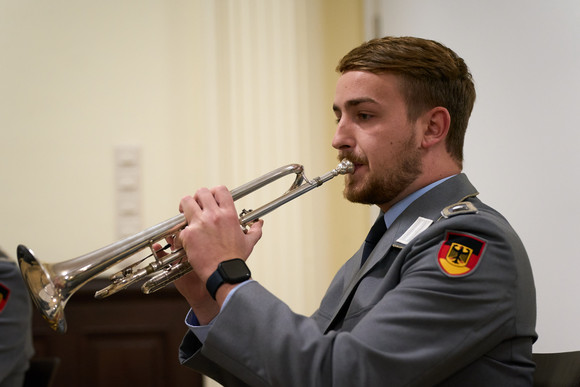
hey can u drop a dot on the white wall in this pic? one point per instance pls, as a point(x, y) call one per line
point(522, 143)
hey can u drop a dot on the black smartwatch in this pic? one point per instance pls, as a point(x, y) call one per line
point(232, 271)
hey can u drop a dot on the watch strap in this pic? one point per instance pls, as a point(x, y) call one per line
point(213, 283)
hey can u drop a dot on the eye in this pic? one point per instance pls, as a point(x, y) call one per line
point(364, 116)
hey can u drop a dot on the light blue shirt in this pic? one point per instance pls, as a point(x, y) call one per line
point(397, 209)
point(201, 331)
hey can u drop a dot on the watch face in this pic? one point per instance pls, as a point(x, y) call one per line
point(234, 271)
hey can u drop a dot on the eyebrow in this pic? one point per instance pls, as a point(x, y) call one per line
point(355, 102)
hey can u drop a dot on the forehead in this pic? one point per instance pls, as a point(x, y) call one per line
point(362, 85)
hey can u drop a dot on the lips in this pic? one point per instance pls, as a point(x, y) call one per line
point(358, 166)
point(358, 173)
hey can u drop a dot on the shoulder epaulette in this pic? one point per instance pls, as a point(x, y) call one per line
point(460, 208)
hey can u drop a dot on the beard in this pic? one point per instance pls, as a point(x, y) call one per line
point(384, 184)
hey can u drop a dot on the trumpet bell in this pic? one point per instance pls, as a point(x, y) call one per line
point(49, 299)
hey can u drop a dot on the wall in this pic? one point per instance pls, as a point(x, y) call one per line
point(521, 146)
point(207, 92)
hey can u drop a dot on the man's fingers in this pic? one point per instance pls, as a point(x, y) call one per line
point(255, 231)
point(223, 197)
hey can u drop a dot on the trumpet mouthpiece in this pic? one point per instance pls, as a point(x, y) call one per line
point(345, 167)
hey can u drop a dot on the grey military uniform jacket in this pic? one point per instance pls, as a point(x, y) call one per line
point(404, 319)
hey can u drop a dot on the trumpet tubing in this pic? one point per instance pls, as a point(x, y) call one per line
point(51, 285)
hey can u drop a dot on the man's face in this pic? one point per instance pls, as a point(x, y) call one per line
point(374, 133)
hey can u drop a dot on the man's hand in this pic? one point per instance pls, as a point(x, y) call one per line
point(192, 289)
point(213, 234)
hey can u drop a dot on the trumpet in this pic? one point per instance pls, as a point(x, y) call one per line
point(51, 285)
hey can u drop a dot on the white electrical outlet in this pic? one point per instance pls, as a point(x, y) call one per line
point(128, 190)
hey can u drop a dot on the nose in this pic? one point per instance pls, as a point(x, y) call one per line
point(343, 136)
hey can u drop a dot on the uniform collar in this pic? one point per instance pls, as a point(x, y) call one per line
point(393, 213)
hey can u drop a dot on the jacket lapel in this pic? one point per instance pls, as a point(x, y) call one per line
point(357, 273)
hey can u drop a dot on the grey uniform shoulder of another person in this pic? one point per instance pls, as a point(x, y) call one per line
point(16, 347)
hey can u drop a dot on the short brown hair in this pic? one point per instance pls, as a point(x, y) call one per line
point(431, 75)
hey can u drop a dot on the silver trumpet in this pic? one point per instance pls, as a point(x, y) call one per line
point(51, 285)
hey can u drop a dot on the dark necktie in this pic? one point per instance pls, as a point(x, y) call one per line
point(373, 237)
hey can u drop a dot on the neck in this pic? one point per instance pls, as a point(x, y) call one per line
point(432, 172)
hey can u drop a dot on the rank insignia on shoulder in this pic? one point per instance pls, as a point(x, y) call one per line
point(460, 254)
point(4, 293)
point(460, 208)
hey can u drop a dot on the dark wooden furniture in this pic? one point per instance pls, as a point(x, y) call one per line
point(127, 339)
point(560, 369)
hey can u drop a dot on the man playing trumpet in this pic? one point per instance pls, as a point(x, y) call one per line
point(440, 293)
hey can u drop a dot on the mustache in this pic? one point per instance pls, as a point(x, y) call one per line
point(352, 157)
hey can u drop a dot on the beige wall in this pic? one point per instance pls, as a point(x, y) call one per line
point(209, 92)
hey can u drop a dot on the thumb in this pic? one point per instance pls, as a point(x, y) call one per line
point(255, 232)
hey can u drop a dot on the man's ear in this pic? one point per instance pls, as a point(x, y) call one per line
point(437, 121)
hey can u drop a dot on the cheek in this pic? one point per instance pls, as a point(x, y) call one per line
point(383, 152)
point(378, 147)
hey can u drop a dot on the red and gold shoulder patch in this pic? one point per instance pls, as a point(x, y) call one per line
point(4, 293)
point(460, 253)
